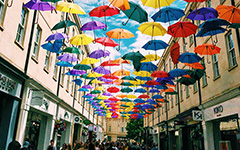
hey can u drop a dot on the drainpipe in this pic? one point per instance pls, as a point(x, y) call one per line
point(178, 99)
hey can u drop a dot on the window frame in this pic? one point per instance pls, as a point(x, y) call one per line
point(231, 58)
point(38, 43)
point(4, 9)
point(181, 92)
point(207, 3)
point(68, 82)
point(187, 91)
point(62, 76)
point(55, 69)
point(215, 61)
point(47, 57)
point(191, 40)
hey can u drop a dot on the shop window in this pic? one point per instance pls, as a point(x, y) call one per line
point(22, 26)
point(3, 4)
point(215, 66)
point(47, 60)
point(36, 45)
point(230, 50)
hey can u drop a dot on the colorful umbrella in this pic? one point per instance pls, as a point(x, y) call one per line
point(68, 58)
point(105, 41)
point(88, 60)
point(157, 96)
point(113, 89)
point(95, 92)
point(121, 95)
point(136, 12)
point(189, 58)
point(153, 82)
point(107, 94)
point(39, 5)
point(53, 47)
point(82, 67)
point(160, 74)
point(122, 4)
point(148, 66)
point(93, 25)
point(81, 39)
point(207, 49)
point(175, 52)
point(110, 76)
point(157, 3)
point(101, 70)
point(121, 72)
point(229, 13)
point(87, 87)
point(83, 90)
point(140, 90)
point(78, 81)
point(73, 50)
point(186, 81)
point(142, 73)
point(143, 96)
point(194, 1)
point(75, 72)
point(99, 53)
point(121, 61)
point(196, 65)
point(139, 100)
point(109, 63)
point(151, 57)
point(143, 78)
point(95, 75)
point(177, 73)
point(154, 91)
point(136, 57)
point(131, 96)
point(128, 78)
point(204, 13)
point(126, 84)
point(155, 45)
point(57, 36)
point(126, 90)
point(70, 8)
point(168, 14)
point(64, 64)
point(113, 99)
point(63, 24)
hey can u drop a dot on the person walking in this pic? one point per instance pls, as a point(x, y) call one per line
point(25, 146)
point(14, 145)
point(51, 146)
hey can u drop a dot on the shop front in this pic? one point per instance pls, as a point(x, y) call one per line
point(10, 101)
point(155, 135)
point(222, 125)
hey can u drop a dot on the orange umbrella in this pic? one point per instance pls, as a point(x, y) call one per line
point(121, 95)
point(169, 85)
point(168, 90)
point(121, 61)
point(118, 82)
point(207, 49)
point(187, 76)
point(122, 4)
point(121, 72)
point(196, 65)
point(160, 100)
point(229, 13)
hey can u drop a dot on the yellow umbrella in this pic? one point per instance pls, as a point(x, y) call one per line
point(152, 29)
point(151, 57)
point(88, 61)
point(157, 3)
point(96, 75)
point(102, 97)
point(81, 39)
point(131, 96)
point(121, 95)
point(138, 82)
point(142, 73)
point(121, 72)
point(70, 8)
point(122, 4)
point(100, 88)
point(97, 81)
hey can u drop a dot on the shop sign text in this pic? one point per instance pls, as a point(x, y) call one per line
point(6, 83)
point(218, 110)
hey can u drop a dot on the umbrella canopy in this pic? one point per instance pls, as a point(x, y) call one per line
point(204, 13)
point(121, 72)
point(109, 63)
point(152, 29)
point(95, 92)
point(64, 64)
point(155, 45)
point(177, 73)
point(194, 1)
point(126, 84)
point(152, 82)
point(68, 58)
point(168, 14)
point(189, 58)
point(211, 24)
point(63, 24)
point(57, 36)
point(113, 99)
point(143, 96)
point(121, 61)
point(142, 73)
point(105, 41)
point(107, 94)
point(83, 90)
point(151, 57)
point(73, 50)
point(75, 72)
point(39, 5)
point(182, 29)
point(128, 78)
point(119, 34)
point(95, 75)
point(53, 47)
point(81, 39)
point(121, 95)
point(160, 74)
point(70, 8)
point(113, 89)
point(122, 4)
point(136, 12)
point(157, 96)
point(186, 81)
point(78, 81)
point(87, 61)
point(175, 52)
point(110, 76)
point(126, 90)
point(93, 25)
point(139, 100)
point(196, 65)
point(157, 3)
point(154, 91)
point(144, 78)
point(229, 13)
point(101, 70)
point(52, 1)
point(87, 87)
point(131, 96)
point(140, 90)
point(207, 49)
point(103, 11)
point(99, 53)
point(82, 67)
point(210, 32)
point(136, 57)
point(148, 66)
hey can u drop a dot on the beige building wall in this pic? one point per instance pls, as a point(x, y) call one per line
point(115, 128)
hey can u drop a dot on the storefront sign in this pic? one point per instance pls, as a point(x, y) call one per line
point(37, 98)
point(218, 110)
point(197, 115)
point(77, 119)
point(8, 85)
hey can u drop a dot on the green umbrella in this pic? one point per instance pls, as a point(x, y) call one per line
point(171, 93)
point(126, 90)
point(53, 1)
point(136, 57)
point(235, 25)
point(73, 50)
point(87, 122)
point(128, 78)
point(186, 81)
point(63, 24)
point(95, 92)
point(82, 67)
point(126, 84)
point(125, 100)
point(97, 99)
point(197, 74)
point(123, 105)
point(136, 12)
point(85, 76)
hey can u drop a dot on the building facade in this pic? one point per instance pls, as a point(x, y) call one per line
point(32, 103)
point(215, 97)
point(115, 129)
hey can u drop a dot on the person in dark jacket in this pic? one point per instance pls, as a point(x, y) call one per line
point(51, 146)
point(14, 145)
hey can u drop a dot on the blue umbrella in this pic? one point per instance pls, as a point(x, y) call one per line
point(140, 90)
point(53, 47)
point(157, 96)
point(64, 64)
point(145, 85)
point(177, 72)
point(83, 90)
point(86, 96)
point(154, 91)
point(213, 23)
point(165, 80)
point(155, 45)
point(150, 100)
point(139, 100)
point(204, 13)
point(148, 66)
point(78, 81)
point(147, 106)
point(168, 14)
point(144, 78)
point(210, 32)
point(189, 58)
point(162, 87)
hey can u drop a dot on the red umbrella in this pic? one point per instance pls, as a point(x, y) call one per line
point(137, 105)
point(143, 96)
point(113, 90)
point(108, 63)
point(152, 82)
point(113, 99)
point(160, 74)
point(175, 52)
point(110, 76)
point(105, 41)
point(103, 11)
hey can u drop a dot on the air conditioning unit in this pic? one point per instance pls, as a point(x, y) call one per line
point(77, 119)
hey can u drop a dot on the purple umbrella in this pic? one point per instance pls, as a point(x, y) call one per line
point(93, 25)
point(68, 58)
point(203, 13)
point(107, 94)
point(99, 53)
point(92, 95)
point(75, 72)
point(107, 101)
point(39, 5)
point(101, 70)
point(154, 91)
point(87, 87)
point(57, 36)
point(104, 79)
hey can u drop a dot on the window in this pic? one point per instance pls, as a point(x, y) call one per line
point(37, 42)
point(170, 64)
point(215, 66)
point(47, 60)
point(187, 91)
point(166, 67)
point(181, 92)
point(191, 39)
point(73, 32)
point(231, 51)
point(204, 78)
point(208, 3)
point(195, 88)
point(122, 129)
point(62, 16)
point(72, 88)
point(176, 99)
point(62, 75)
point(68, 81)
point(171, 100)
point(22, 26)
point(184, 46)
point(109, 128)
point(55, 69)
point(2, 10)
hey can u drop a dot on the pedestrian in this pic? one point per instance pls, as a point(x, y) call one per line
point(154, 146)
point(91, 146)
point(14, 145)
point(51, 146)
point(96, 146)
point(25, 146)
point(64, 147)
point(69, 147)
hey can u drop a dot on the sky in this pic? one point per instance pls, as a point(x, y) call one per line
point(127, 45)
